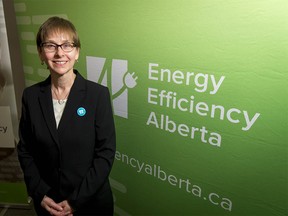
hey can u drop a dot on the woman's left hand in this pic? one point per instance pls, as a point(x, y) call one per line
point(67, 210)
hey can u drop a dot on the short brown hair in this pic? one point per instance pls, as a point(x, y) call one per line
point(57, 24)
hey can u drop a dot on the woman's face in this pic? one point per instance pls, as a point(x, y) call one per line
point(59, 61)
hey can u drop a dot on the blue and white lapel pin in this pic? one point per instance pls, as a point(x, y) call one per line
point(81, 111)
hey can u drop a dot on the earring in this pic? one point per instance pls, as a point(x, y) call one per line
point(76, 60)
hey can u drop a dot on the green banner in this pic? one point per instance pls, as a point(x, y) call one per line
point(199, 90)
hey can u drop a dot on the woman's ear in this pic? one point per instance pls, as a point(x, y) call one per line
point(77, 54)
point(39, 50)
point(40, 55)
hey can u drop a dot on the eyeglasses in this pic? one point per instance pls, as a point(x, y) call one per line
point(52, 47)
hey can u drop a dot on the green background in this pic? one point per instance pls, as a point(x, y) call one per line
point(245, 41)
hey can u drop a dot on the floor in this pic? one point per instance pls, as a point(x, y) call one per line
point(10, 171)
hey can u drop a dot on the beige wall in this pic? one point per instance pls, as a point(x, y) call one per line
point(11, 70)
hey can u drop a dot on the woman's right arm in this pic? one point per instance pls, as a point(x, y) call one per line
point(36, 187)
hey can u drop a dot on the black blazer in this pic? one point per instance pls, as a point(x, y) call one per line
point(72, 162)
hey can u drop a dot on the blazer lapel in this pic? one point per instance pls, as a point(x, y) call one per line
point(75, 98)
point(46, 104)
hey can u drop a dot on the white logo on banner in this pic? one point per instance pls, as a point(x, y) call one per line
point(113, 74)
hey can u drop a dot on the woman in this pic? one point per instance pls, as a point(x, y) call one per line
point(67, 135)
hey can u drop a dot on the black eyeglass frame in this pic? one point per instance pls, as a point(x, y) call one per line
point(56, 46)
